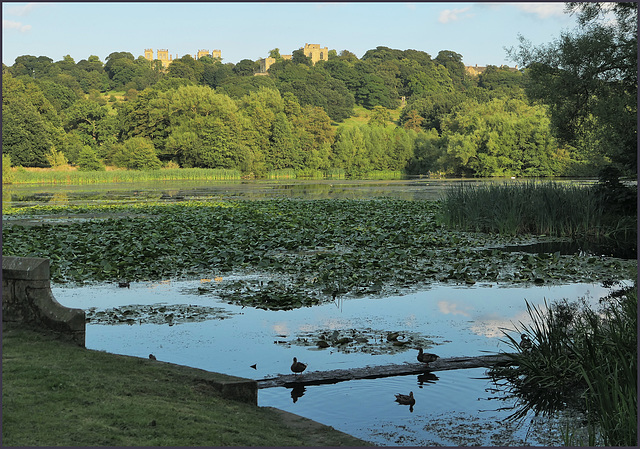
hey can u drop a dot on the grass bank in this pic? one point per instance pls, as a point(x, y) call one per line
point(57, 394)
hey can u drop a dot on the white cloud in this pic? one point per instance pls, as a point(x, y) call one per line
point(11, 25)
point(542, 10)
point(21, 10)
point(451, 15)
point(451, 308)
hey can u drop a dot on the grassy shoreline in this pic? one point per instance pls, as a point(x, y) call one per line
point(56, 393)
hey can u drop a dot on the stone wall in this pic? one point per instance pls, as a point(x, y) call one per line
point(27, 299)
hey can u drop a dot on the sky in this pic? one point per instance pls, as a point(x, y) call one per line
point(478, 31)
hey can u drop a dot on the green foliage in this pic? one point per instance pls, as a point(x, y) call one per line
point(30, 125)
point(137, 153)
point(88, 160)
point(589, 79)
point(500, 138)
point(56, 158)
point(7, 173)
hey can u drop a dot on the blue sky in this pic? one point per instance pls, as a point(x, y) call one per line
point(478, 31)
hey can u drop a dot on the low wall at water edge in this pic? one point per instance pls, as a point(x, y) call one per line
point(27, 299)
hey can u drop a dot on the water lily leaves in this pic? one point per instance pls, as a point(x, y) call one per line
point(312, 247)
point(155, 314)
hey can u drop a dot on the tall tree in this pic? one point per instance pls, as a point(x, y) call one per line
point(589, 79)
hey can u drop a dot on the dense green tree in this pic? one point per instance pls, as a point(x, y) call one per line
point(432, 107)
point(84, 118)
point(428, 149)
point(35, 67)
point(379, 116)
point(120, 68)
point(30, 124)
point(589, 79)
point(500, 138)
point(88, 160)
point(237, 87)
point(246, 67)
point(298, 57)
point(284, 151)
point(452, 61)
point(216, 73)
point(137, 153)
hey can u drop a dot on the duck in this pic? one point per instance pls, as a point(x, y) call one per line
point(152, 357)
point(297, 367)
point(525, 342)
point(425, 357)
point(124, 284)
point(392, 336)
point(405, 399)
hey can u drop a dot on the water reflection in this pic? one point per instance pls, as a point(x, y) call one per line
point(461, 321)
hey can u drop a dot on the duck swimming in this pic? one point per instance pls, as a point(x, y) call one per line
point(405, 399)
point(425, 357)
point(298, 367)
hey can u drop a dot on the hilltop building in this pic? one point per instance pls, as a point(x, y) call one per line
point(475, 70)
point(312, 51)
point(166, 58)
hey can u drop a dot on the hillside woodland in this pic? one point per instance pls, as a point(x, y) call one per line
point(129, 112)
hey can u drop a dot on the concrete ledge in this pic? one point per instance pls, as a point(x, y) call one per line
point(227, 386)
point(27, 299)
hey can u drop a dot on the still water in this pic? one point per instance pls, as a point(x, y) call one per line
point(177, 323)
point(406, 189)
point(453, 408)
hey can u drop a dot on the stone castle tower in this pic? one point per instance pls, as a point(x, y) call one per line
point(316, 53)
point(166, 58)
point(312, 51)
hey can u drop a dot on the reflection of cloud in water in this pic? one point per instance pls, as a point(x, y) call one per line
point(281, 328)
point(452, 308)
point(492, 326)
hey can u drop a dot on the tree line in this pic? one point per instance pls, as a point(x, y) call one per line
point(132, 113)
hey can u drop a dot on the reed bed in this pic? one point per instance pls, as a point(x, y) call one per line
point(114, 176)
point(583, 359)
point(384, 174)
point(531, 207)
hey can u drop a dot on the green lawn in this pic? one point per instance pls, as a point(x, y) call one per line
point(57, 394)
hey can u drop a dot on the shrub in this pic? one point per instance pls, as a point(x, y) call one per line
point(88, 160)
point(137, 153)
point(7, 173)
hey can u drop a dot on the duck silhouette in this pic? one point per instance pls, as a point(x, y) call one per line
point(404, 399)
point(425, 357)
point(297, 367)
point(525, 342)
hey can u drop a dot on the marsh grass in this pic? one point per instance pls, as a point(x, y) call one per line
point(583, 359)
point(75, 177)
point(58, 394)
point(539, 208)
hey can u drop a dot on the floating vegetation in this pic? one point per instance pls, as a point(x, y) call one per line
point(306, 251)
point(367, 340)
point(155, 314)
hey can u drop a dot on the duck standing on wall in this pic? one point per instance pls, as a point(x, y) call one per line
point(425, 357)
point(297, 367)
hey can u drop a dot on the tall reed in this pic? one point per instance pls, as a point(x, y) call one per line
point(541, 208)
point(24, 176)
point(583, 359)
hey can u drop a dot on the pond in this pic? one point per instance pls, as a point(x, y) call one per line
point(186, 322)
point(177, 323)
